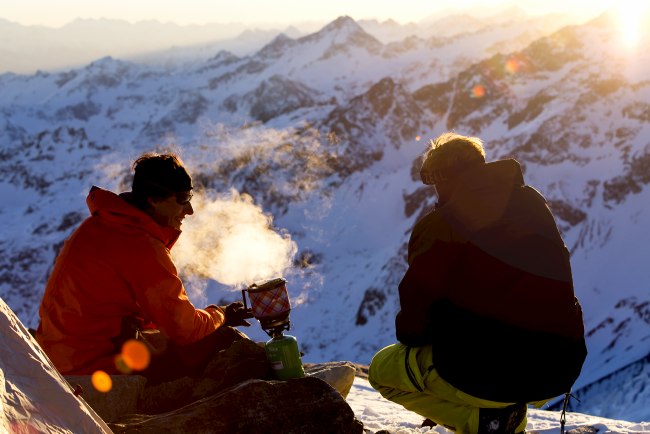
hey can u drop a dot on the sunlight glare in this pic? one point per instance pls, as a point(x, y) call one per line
point(631, 13)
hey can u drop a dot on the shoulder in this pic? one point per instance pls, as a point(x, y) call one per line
point(430, 224)
point(433, 226)
point(148, 254)
point(533, 191)
point(430, 230)
point(132, 243)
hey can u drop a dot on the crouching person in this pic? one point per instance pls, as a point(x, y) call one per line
point(489, 322)
point(114, 280)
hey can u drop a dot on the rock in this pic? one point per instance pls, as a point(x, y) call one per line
point(167, 396)
point(302, 405)
point(362, 371)
point(120, 400)
point(244, 360)
point(586, 429)
point(339, 375)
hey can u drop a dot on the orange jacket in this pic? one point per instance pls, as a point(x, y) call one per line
point(115, 264)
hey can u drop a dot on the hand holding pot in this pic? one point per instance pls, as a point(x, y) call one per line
point(236, 315)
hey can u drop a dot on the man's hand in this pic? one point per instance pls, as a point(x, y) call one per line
point(236, 315)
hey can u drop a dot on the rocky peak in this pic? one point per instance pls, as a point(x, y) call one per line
point(277, 47)
point(390, 23)
point(389, 104)
point(292, 32)
point(343, 22)
point(224, 55)
point(345, 31)
point(103, 63)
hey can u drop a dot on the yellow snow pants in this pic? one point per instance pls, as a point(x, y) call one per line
point(417, 387)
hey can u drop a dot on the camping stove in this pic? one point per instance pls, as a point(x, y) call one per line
point(271, 306)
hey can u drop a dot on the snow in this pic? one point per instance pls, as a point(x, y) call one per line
point(378, 414)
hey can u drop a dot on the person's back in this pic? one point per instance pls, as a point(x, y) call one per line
point(107, 267)
point(488, 293)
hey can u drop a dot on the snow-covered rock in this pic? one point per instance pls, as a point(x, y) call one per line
point(339, 375)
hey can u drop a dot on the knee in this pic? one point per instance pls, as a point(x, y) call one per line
point(383, 374)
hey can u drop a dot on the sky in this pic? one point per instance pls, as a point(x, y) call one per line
point(60, 12)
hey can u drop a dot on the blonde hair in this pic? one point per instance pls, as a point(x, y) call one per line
point(451, 149)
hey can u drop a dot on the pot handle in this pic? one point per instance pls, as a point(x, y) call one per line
point(243, 296)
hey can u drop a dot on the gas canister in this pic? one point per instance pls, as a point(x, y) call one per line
point(284, 355)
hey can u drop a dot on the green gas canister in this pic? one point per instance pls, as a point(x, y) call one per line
point(283, 353)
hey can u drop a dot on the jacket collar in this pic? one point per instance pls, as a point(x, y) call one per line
point(117, 209)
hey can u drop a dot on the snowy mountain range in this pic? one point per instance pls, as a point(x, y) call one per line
point(323, 132)
point(27, 49)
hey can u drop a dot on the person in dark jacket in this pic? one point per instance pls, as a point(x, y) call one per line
point(489, 321)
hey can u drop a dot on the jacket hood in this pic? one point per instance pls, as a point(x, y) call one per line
point(506, 172)
point(498, 172)
point(117, 209)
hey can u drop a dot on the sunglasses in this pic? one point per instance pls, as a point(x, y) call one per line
point(182, 197)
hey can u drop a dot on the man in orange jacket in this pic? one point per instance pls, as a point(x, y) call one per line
point(115, 277)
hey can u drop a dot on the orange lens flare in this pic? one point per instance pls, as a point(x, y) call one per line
point(512, 66)
point(478, 91)
point(418, 138)
point(101, 381)
point(121, 366)
point(136, 355)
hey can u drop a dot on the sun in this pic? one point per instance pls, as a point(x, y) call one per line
point(631, 13)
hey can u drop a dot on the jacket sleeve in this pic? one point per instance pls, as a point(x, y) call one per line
point(423, 291)
point(161, 294)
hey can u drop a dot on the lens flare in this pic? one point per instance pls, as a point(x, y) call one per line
point(418, 138)
point(101, 381)
point(478, 91)
point(512, 66)
point(121, 365)
point(136, 355)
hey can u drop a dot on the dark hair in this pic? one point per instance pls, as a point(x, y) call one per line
point(166, 170)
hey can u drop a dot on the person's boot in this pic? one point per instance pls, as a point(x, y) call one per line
point(501, 420)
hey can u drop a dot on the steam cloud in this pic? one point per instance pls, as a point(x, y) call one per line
point(231, 240)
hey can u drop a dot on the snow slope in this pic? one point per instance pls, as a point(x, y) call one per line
point(571, 108)
point(624, 391)
point(378, 414)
